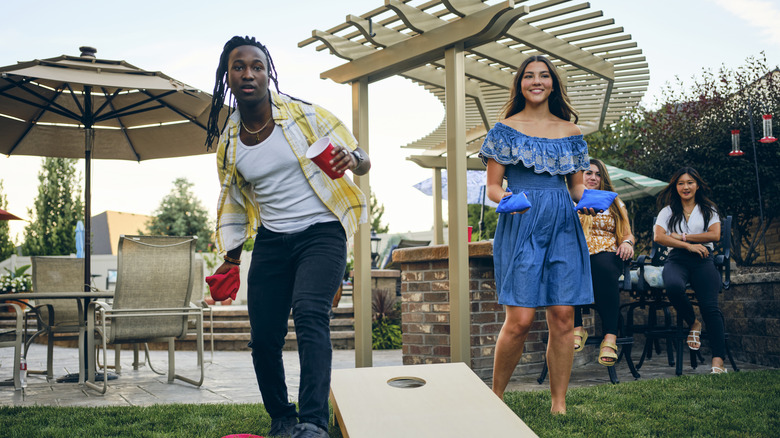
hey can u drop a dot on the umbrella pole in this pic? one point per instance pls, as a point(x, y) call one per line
point(90, 138)
point(483, 189)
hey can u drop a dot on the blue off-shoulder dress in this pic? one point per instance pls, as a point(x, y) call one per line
point(540, 257)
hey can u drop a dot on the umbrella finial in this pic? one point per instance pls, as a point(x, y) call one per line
point(87, 52)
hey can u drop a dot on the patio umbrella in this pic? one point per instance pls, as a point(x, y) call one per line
point(74, 107)
point(475, 187)
point(80, 239)
point(630, 185)
point(475, 191)
point(6, 216)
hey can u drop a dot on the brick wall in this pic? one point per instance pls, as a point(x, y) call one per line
point(425, 311)
point(751, 308)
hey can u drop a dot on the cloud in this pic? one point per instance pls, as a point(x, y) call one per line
point(762, 14)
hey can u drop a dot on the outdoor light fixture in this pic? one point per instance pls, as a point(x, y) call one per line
point(735, 151)
point(375, 249)
point(768, 129)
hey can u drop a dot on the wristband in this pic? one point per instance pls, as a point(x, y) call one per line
point(684, 237)
point(628, 242)
point(232, 260)
point(358, 158)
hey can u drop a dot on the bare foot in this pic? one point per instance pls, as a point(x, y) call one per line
point(718, 366)
point(558, 409)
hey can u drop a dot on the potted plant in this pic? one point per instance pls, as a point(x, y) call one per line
point(16, 281)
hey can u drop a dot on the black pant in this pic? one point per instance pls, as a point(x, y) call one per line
point(301, 271)
point(605, 269)
point(683, 268)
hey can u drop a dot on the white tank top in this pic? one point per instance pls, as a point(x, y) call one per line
point(287, 202)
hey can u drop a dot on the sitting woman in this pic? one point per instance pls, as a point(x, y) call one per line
point(610, 242)
point(689, 224)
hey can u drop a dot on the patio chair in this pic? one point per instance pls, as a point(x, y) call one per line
point(624, 338)
point(12, 337)
point(648, 287)
point(198, 280)
point(151, 302)
point(57, 319)
point(197, 299)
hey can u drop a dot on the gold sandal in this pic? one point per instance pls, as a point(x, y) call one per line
point(578, 346)
point(612, 355)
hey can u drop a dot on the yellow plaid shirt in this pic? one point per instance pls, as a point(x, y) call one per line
point(238, 214)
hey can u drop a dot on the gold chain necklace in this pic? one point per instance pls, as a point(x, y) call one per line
point(256, 133)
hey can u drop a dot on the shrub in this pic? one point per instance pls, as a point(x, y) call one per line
point(386, 326)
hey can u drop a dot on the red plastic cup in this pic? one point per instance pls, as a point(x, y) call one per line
point(320, 154)
point(470, 228)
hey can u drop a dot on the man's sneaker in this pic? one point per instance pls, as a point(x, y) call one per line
point(282, 427)
point(308, 430)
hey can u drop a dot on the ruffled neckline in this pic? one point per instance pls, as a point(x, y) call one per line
point(504, 126)
point(557, 156)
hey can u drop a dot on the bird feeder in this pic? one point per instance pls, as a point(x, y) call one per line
point(735, 151)
point(768, 130)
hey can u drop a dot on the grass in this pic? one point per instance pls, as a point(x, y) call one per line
point(735, 404)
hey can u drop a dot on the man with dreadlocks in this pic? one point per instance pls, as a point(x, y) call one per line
point(300, 248)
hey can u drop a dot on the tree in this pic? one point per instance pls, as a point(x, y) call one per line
point(6, 245)
point(58, 208)
point(376, 212)
point(182, 214)
point(490, 219)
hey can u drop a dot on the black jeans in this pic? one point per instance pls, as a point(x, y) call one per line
point(683, 267)
point(605, 269)
point(301, 271)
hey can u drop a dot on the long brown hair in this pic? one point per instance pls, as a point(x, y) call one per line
point(622, 224)
point(559, 103)
point(670, 197)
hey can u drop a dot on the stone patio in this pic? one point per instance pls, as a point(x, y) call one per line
point(230, 378)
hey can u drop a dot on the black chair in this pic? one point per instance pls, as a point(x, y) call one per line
point(648, 291)
point(624, 338)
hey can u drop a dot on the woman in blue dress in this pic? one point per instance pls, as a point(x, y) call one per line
point(540, 254)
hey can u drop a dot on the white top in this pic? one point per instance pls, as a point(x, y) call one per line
point(694, 225)
point(287, 202)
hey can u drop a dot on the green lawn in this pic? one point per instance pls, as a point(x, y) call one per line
point(735, 404)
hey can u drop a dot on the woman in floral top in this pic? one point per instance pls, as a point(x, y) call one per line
point(610, 242)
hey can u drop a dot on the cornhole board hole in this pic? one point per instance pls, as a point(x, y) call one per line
point(439, 400)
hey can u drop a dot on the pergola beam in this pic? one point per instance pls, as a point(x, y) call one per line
point(472, 30)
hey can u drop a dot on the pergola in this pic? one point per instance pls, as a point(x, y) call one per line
point(466, 52)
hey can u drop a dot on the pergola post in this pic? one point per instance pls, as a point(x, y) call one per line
point(455, 107)
point(361, 292)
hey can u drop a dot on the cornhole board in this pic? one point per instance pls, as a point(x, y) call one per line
point(451, 402)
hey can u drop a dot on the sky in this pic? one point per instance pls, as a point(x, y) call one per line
point(184, 40)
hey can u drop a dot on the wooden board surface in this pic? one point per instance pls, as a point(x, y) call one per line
point(453, 402)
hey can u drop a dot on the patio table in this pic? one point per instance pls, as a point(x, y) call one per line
point(83, 298)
